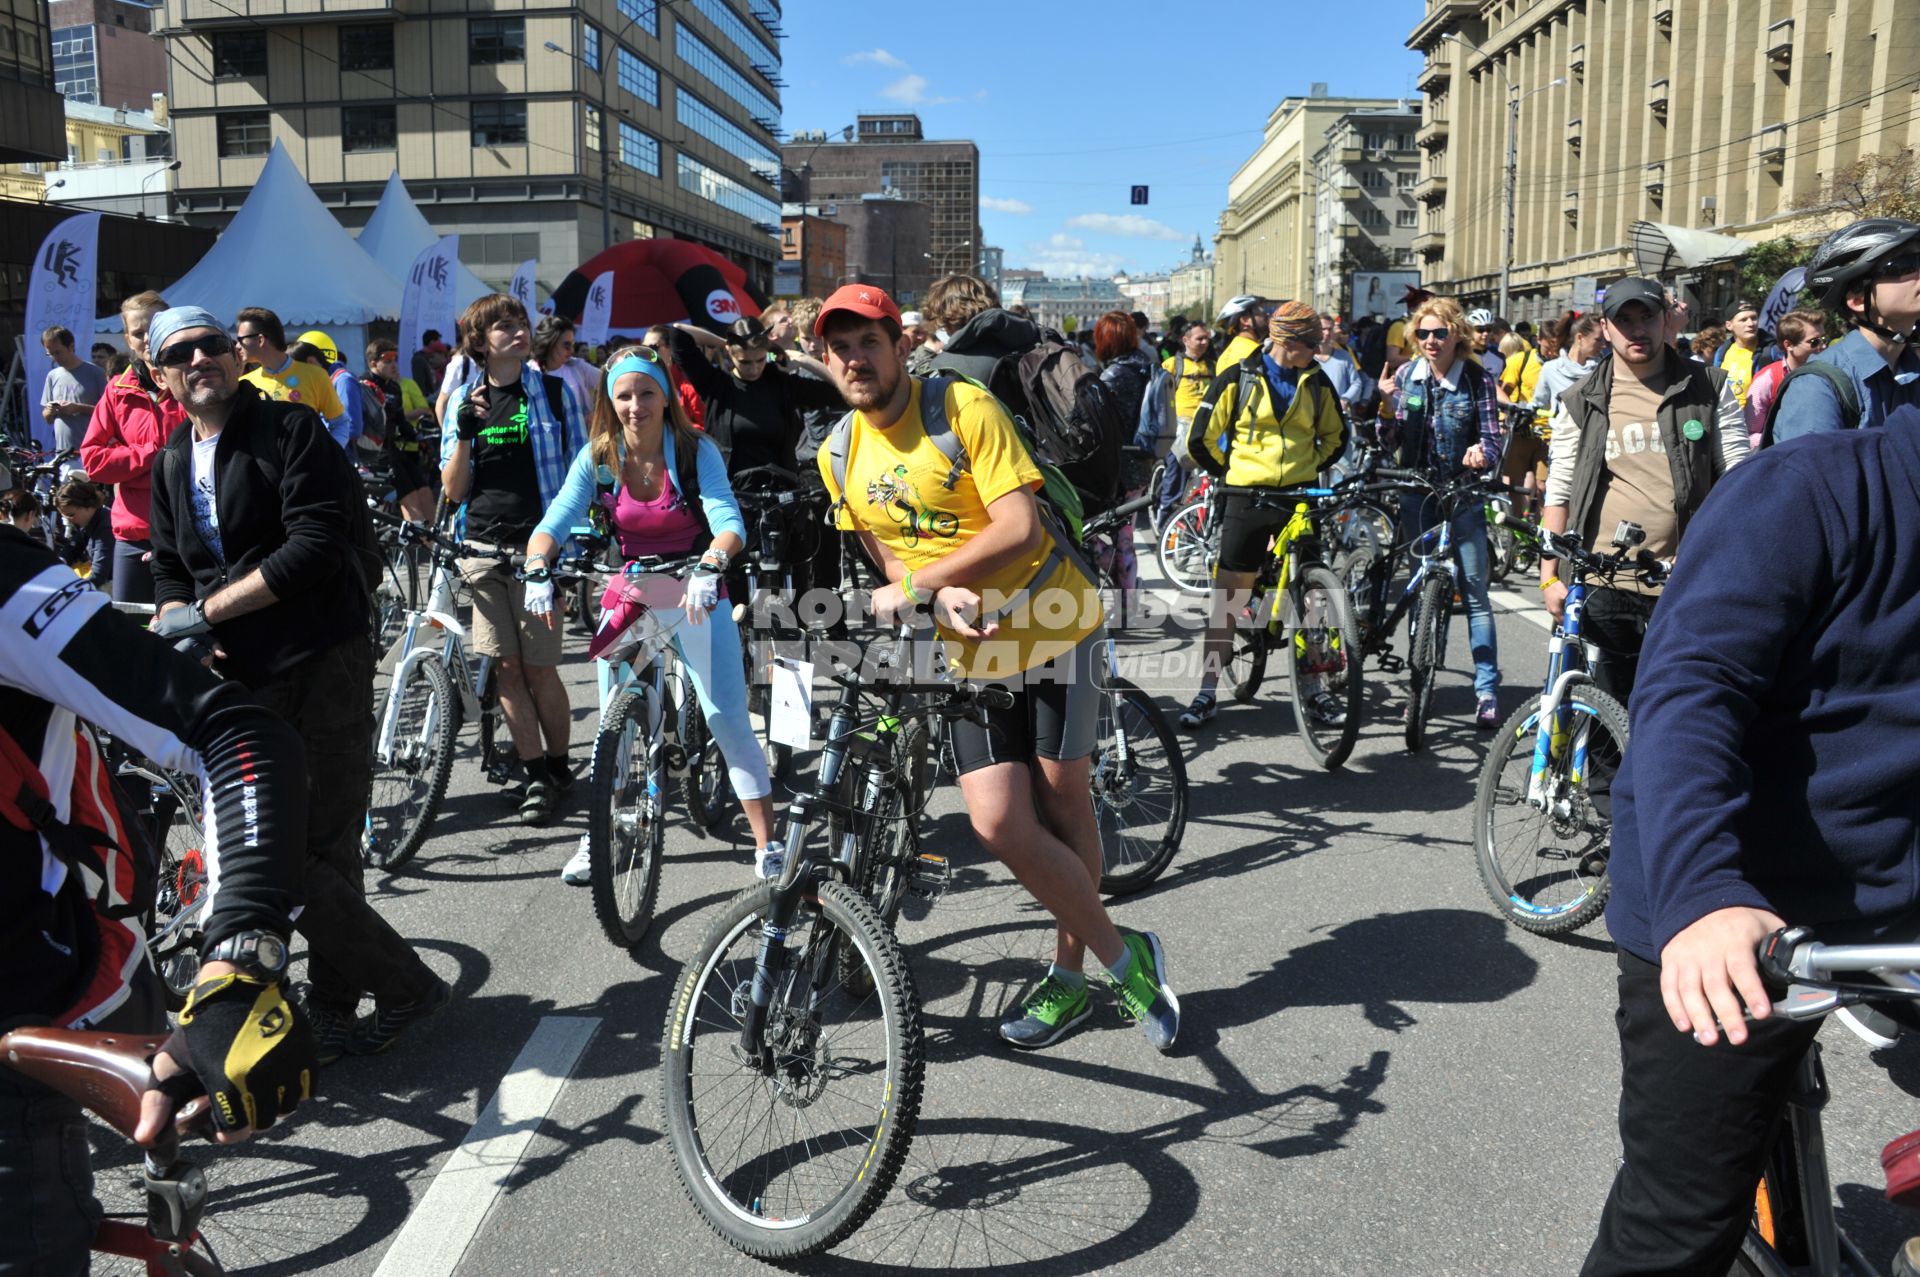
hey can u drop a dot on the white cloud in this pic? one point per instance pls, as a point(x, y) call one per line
point(1060, 240)
point(911, 90)
point(1130, 224)
point(879, 57)
point(997, 205)
point(1063, 256)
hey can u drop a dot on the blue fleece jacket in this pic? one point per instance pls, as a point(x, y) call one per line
point(1775, 758)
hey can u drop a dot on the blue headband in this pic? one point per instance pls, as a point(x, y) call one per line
point(180, 318)
point(633, 363)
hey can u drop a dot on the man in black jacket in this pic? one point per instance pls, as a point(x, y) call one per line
point(251, 508)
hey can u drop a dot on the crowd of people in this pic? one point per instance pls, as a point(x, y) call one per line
point(223, 475)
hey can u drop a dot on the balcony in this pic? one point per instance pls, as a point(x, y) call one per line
point(1657, 98)
point(1432, 189)
point(1350, 154)
point(1773, 145)
point(1434, 74)
point(1430, 243)
point(1432, 134)
point(1573, 133)
point(1577, 60)
point(1347, 232)
point(1780, 44)
point(1656, 181)
point(1570, 206)
point(1351, 191)
point(1663, 16)
point(212, 14)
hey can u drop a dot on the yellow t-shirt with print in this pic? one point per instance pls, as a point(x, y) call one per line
point(1195, 375)
point(299, 383)
point(1738, 361)
point(896, 490)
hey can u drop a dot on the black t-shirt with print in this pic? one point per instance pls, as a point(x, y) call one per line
point(504, 505)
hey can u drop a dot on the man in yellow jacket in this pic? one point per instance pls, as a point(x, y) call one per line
point(1273, 421)
point(1241, 321)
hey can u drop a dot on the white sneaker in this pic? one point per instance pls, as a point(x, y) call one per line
point(579, 870)
point(769, 862)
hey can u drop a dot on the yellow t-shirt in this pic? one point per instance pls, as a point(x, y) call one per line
point(896, 491)
point(1397, 338)
point(1738, 361)
point(1195, 376)
point(300, 383)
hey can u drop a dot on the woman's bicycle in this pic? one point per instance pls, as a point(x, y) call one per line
point(1542, 823)
point(793, 1060)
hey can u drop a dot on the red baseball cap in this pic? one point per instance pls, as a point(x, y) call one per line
point(863, 300)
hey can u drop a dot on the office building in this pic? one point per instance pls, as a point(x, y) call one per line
point(118, 161)
point(32, 125)
point(1068, 305)
point(532, 132)
point(104, 52)
point(889, 244)
point(1365, 215)
point(813, 253)
point(1651, 135)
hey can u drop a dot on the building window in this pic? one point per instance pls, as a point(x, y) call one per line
point(1408, 179)
point(246, 133)
point(639, 150)
point(368, 128)
point(1376, 142)
point(645, 13)
point(637, 78)
point(76, 69)
point(1372, 217)
point(711, 184)
point(1403, 257)
point(239, 54)
point(590, 126)
point(590, 46)
point(730, 137)
point(499, 123)
point(366, 48)
point(1403, 142)
point(1406, 217)
point(756, 51)
point(1373, 179)
point(696, 53)
point(492, 41)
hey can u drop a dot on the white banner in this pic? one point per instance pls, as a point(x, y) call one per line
point(428, 300)
point(598, 316)
point(60, 292)
point(522, 285)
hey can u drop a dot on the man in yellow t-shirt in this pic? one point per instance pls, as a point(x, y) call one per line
point(958, 527)
point(1192, 373)
point(1742, 357)
point(262, 339)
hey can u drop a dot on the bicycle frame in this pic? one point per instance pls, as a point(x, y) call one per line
point(1551, 745)
point(441, 614)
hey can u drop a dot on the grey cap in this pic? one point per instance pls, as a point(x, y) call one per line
point(179, 319)
point(1647, 292)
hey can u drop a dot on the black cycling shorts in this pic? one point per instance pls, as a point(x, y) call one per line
point(1055, 714)
point(407, 471)
point(1246, 531)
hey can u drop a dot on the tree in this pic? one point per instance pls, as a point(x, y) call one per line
point(1884, 185)
point(1765, 263)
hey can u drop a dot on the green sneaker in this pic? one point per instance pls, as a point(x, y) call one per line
point(1146, 998)
point(1047, 1014)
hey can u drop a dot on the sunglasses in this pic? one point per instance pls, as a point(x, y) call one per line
point(247, 339)
point(181, 353)
point(1895, 267)
point(1432, 334)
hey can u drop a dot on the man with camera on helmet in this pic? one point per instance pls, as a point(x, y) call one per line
point(1869, 274)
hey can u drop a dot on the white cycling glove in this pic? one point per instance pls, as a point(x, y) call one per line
point(703, 591)
point(540, 595)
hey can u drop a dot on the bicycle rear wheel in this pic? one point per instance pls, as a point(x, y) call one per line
point(789, 1165)
point(706, 788)
point(1425, 649)
point(1542, 841)
point(180, 884)
point(1324, 666)
point(408, 790)
point(1139, 788)
point(1185, 548)
point(624, 820)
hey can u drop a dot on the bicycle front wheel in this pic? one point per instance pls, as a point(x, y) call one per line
point(1185, 550)
point(1139, 783)
point(1324, 666)
point(1425, 649)
point(624, 822)
point(1542, 840)
point(409, 787)
point(788, 1162)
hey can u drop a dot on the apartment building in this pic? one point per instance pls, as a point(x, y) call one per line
point(32, 125)
point(104, 52)
point(533, 129)
point(1649, 134)
point(1365, 216)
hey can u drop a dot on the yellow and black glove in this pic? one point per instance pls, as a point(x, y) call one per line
point(246, 1047)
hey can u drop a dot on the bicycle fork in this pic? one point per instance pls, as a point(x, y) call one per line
point(1556, 731)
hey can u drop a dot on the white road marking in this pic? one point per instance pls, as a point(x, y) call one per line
point(437, 1234)
point(1526, 608)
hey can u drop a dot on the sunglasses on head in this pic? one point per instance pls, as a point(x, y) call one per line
point(181, 353)
point(1432, 334)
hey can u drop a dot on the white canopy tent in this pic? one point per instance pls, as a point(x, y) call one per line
point(285, 252)
point(1660, 249)
point(398, 232)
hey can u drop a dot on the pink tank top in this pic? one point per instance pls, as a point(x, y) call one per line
point(660, 526)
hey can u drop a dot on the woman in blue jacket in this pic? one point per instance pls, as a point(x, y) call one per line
point(662, 489)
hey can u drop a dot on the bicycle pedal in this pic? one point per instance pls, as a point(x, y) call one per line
point(929, 876)
point(674, 756)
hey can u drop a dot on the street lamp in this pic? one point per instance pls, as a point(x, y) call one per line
point(148, 178)
point(606, 139)
point(805, 173)
point(1514, 99)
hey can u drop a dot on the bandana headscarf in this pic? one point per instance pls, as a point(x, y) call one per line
point(1295, 320)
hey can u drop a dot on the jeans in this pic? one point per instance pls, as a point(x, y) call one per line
point(47, 1209)
point(1615, 624)
point(1695, 1125)
point(351, 950)
point(1470, 559)
point(132, 576)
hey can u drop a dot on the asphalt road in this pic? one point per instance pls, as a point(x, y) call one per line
point(1375, 1074)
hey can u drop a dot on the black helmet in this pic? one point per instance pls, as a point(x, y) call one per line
point(1850, 254)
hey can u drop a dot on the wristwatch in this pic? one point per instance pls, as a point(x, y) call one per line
point(258, 953)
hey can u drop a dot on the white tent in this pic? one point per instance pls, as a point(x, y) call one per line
point(398, 232)
point(285, 252)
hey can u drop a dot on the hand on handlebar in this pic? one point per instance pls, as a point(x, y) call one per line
point(243, 1045)
point(703, 595)
point(539, 598)
point(1711, 968)
point(1555, 597)
point(1476, 458)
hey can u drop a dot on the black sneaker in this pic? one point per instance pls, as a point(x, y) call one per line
point(376, 1032)
point(561, 776)
point(331, 1031)
point(536, 807)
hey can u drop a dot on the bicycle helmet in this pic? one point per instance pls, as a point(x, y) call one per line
point(1850, 255)
point(1236, 307)
point(1480, 318)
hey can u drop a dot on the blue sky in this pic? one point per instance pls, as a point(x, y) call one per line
point(1072, 104)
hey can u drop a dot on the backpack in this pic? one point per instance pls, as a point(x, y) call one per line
point(373, 412)
point(1843, 390)
point(106, 854)
point(1070, 417)
point(1156, 407)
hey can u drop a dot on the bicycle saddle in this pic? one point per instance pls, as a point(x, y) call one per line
point(104, 1073)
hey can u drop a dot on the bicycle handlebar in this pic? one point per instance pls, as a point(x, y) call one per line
point(1792, 960)
point(664, 564)
point(1103, 523)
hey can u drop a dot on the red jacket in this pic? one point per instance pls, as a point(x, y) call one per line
point(690, 400)
point(130, 425)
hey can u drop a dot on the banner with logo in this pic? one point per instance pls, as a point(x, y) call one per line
point(522, 285)
point(597, 318)
point(60, 292)
point(428, 300)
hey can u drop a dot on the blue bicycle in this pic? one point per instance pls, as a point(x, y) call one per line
point(1542, 816)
